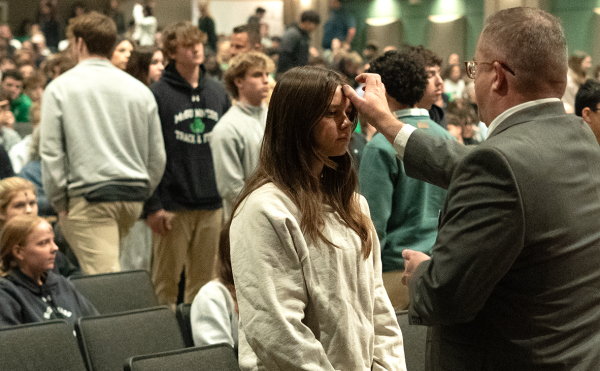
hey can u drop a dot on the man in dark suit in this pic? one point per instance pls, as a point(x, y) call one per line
point(513, 282)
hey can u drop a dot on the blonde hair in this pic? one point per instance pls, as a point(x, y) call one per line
point(9, 187)
point(239, 65)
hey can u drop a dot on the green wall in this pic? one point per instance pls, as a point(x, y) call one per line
point(415, 20)
point(579, 21)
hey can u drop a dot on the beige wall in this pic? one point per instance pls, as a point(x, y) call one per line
point(167, 11)
point(492, 6)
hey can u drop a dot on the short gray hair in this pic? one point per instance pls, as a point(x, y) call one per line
point(531, 42)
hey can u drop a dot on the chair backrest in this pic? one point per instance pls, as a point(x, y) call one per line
point(47, 345)
point(217, 357)
point(108, 340)
point(185, 323)
point(415, 342)
point(118, 292)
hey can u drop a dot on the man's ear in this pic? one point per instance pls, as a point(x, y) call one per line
point(499, 83)
point(585, 114)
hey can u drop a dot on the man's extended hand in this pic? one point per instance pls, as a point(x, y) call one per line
point(373, 107)
point(412, 259)
point(160, 221)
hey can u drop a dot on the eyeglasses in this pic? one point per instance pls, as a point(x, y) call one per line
point(471, 67)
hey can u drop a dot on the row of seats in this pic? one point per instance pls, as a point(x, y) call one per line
point(132, 327)
point(138, 340)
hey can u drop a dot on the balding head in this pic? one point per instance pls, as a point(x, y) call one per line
point(532, 42)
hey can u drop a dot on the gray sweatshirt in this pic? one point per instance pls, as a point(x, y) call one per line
point(235, 146)
point(100, 136)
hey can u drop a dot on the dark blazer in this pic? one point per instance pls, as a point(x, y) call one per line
point(514, 279)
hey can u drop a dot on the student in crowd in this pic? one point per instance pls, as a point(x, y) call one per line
point(404, 210)
point(435, 86)
point(30, 290)
point(113, 10)
point(8, 136)
point(7, 118)
point(214, 314)
point(579, 65)
point(295, 42)
point(122, 52)
point(145, 23)
point(98, 175)
point(206, 24)
point(12, 80)
point(185, 212)
point(454, 85)
point(237, 137)
point(305, 257)
point(341, 25)
point(586, 105)
point(19, 196)
point(146, 64)
point(19, 153)
point(244, 39)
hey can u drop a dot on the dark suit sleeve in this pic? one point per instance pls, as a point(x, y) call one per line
point(480, 236)
point(432, 159)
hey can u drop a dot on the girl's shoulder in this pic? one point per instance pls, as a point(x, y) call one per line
point(267, 201)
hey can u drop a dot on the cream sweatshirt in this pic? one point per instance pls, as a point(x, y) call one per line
point(305, 305)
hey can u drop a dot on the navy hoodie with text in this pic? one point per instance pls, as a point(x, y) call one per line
point(188, 116)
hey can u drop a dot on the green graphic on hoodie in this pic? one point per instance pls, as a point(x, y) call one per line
point(197, 127)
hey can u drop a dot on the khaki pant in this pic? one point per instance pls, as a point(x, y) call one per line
point(398, 293)
point(191, 243)
point(94, 230)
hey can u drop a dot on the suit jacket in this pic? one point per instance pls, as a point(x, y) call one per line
point(514, 279)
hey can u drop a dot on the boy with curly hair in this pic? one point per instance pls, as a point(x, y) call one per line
point(404, 210)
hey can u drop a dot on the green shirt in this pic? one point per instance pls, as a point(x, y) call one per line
point(404, 210)
point(20, 108)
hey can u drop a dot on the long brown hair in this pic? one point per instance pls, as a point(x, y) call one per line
point(139, 62)
point(224, 271)
point(300, 100)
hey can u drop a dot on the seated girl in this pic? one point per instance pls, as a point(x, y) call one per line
point(214, 313)
point(305, 256)
point(18, 196)
point(30, 291)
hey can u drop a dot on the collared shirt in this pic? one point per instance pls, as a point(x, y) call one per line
point(411, 112)
point(403, 135)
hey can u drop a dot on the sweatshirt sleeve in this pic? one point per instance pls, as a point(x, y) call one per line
point(138, 14)
point(270, 287)
point(388, 352)
point(227, 151)
point(210, 317)
point(10, 309)
point(157, 158)
point(54, 157)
